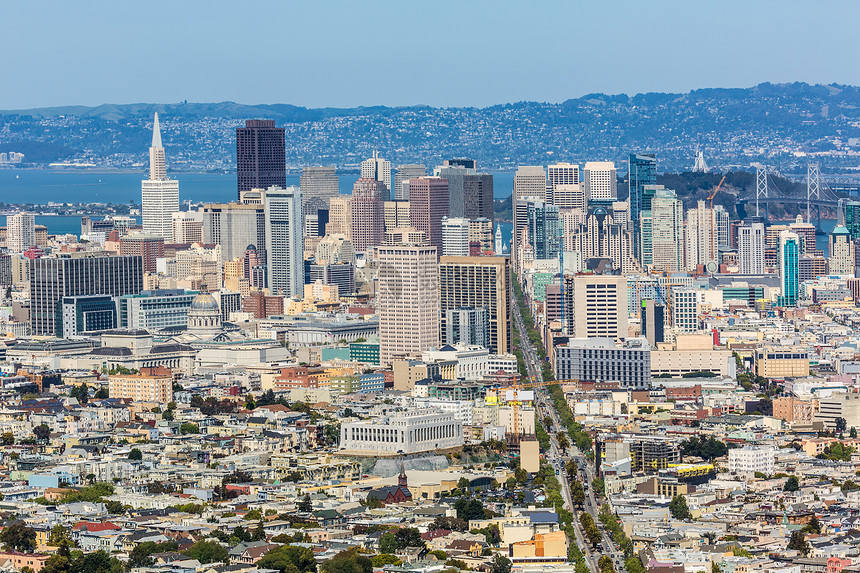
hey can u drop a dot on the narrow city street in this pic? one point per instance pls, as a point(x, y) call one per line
point(556, 458)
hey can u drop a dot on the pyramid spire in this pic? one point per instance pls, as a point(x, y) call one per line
point(157, 168)
point(156, 132)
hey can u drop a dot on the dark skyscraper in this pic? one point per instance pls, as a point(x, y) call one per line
point(643, 171)
point(260, 155)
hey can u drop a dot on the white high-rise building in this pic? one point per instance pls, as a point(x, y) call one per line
point(20, 232)
point(665, 229)
point(569, 196)
point(455, 237)
point(701, 236)
point(379, 169)
point(284, 247)
point(601, 183)
point(408, 300)
point(188, 227)
point(597, 306)
point(529, 183)
point(499, 243)
point(751, 242)
point(841, 261)
point(159, 195)
point(560, 174)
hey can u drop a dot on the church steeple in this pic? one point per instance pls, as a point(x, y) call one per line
point(401, 479)
point(157, 168)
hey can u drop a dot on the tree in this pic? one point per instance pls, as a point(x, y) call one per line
point(814, 526)
point(208, 552)
point(387, 543)
point(589, 528)
point(501, 564)
point(463, 484)
point(715, 568)
point(189, 428)
point(8, 438)
point(135, 455)
point(58, 535)
point(598, 486)
point(841, 425)
point(42, 432)
point(96, 562)
point(348, 561)
point(408, 537)
point(287, 557)
point(102, 394)
point(167, 416)
point(452, 523)
point(141, 555)
point(259, 533)
point(604, 564)
point(706, 448)
point(798, 542)
point(679, 509)
point(468, 509)
point(380, 561)
point(17, 536)
point(791, 484)
point(577, 493)
point(305, 504)
point(114, 507)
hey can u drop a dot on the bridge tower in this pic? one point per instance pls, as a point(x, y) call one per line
point(812, 188)
point(760, 185)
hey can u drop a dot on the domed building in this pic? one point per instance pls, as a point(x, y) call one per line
point(204, 316)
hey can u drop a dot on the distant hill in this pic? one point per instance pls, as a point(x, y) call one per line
point(780, 125)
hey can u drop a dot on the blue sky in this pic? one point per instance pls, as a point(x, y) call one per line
point(444, 53)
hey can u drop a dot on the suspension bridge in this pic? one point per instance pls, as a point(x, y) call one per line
point(818, 194)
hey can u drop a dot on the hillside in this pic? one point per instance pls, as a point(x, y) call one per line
point(768, 123)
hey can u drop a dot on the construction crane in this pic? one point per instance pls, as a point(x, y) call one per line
point(515, 404)
point(711, 200)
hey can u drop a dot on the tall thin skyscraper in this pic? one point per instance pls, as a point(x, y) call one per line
point(751, 248)
point(284, 246)
point(642, 172)
point(159, 195)
point(543, 229)
point(379, 169)
point(20, 232)
point(663, 232)
point(701, 233)
point(842, 259)
point(405, 173)
point(367, 214)
point(428, 204)
point(789, 267)
point(408, 300)
point(529, 182)
point(260, 156)
point(600, 181)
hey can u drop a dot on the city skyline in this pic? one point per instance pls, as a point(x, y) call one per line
point(497, 72)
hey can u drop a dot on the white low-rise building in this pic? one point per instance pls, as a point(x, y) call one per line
point(751, 459)
point(410, 432)
point(462, 409)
